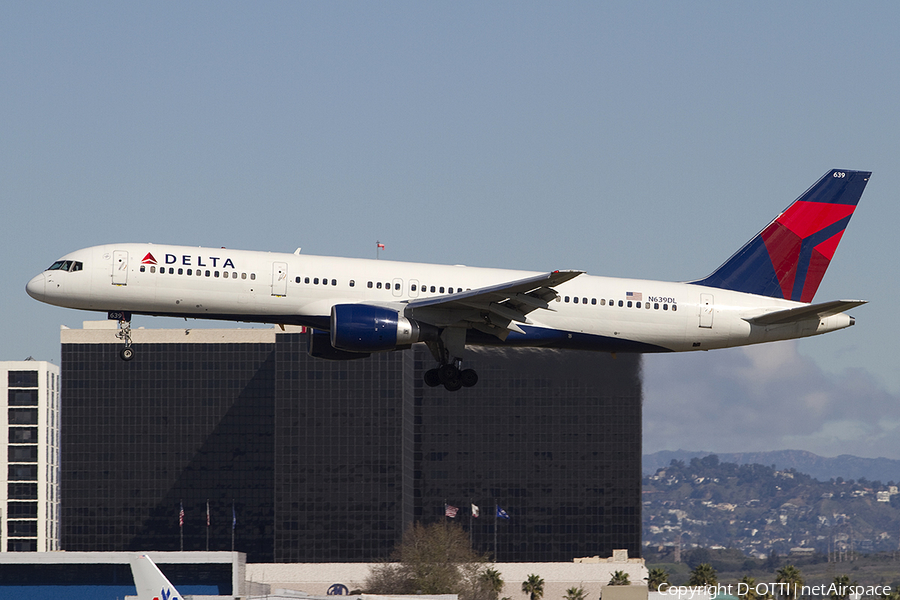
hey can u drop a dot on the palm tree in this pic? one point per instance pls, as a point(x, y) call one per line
point(534, 587)
point(493, 582)
point(790, 575)
point(749, 588)
point(575, 593)
point(656, 578)
point(703, 574)
point(840, 583)
point(619, 578)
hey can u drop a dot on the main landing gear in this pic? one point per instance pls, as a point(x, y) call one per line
point(124, 333)
point(451, 377)
point(446, 350)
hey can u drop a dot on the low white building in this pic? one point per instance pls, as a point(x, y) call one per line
point(590, 573)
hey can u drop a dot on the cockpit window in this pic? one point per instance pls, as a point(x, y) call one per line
point(66, 265)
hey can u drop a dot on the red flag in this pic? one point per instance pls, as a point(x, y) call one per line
point(380, 245)
point(181, 516)
point(450, 511)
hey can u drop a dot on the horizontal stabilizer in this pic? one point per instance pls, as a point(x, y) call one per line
point(802, 313)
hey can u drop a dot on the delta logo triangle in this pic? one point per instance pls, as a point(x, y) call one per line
point(148, 260)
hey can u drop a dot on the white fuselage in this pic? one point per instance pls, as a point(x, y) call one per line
point(592, 313)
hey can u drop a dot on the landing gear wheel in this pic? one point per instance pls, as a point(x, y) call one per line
point(432, 378)
point(468, 377)
point(127, 353)
point(453, 385)
point(448, 374)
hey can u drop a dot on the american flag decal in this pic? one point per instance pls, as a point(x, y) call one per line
point(634, 295)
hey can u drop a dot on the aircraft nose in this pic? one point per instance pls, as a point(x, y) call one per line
point(35, 287)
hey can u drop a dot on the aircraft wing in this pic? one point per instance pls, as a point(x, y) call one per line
point(494, 309)
point(801, 313)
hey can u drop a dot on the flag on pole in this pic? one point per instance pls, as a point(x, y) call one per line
point(475, 511)
point(181, 514)
point(207, 513)
point(501, 514)
point(233, 517)
point(450, 511)
point(380, 245)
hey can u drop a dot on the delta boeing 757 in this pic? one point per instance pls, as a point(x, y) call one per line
point(354, 307)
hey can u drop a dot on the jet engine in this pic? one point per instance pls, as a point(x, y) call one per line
point(318, 344)
point(367, 328)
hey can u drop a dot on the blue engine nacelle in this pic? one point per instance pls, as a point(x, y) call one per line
point(318, 344)
point(366, 328)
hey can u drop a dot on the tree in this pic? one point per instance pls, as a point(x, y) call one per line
point(840, 583)
point(790, 575)
point(492, 582)
point(619, 578)
point(575, 593)
point(749, 588)
point(434, 559)
point(534, 587)
point(656, 578)
point(703, 574)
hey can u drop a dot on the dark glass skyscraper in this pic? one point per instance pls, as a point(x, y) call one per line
point(330, 461)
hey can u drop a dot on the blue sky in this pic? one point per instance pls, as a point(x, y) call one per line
point(645, 140)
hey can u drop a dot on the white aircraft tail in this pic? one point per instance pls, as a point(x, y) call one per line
point(151, 584)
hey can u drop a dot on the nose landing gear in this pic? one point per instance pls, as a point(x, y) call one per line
point(124, 333)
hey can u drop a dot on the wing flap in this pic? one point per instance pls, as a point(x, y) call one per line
point(495, 309)
point(801, 313)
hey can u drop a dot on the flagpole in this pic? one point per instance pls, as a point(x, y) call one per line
point(207, 524)
point(181, 523)
point(233, 523)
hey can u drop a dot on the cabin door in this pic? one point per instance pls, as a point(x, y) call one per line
point(120, 267)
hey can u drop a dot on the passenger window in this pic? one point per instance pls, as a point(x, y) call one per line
point(153, 269)
point(567, 298)
point(369, 285)
point(171, 270)
point(180, 271)
point(387, 285)
point(442, 290)
point(413, 287)
point(665, 307)
point(234, 275)
point(621, 304)
point(674, 308)
point(225, 274)
point(629, 304)
point(334, 282)
point(575, 300)
point(396, 286)
point(646, 305)
point(252, 276)
point(316, 281)
point(243, 275)
point(306, 280)
point(378, 285)
point(143, 268)
point(638, 304)
point(216, 274)
point(584, 300)
point(458, 290)
point(656, 305)
point(298, 279)
point(602, 301)
point(207, 273)
point(432, 289)
point(594, 301)
point(352, 283)
point(190, 271)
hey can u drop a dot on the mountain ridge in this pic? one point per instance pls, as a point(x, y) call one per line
point(818, 467)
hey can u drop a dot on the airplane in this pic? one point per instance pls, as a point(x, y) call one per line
point(354, 307)
point(149, 581)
